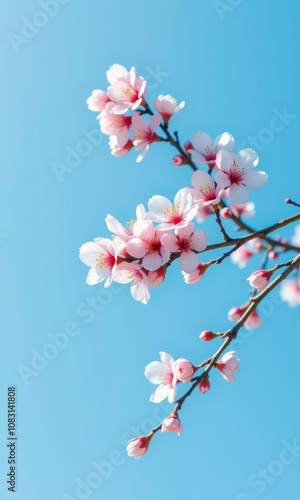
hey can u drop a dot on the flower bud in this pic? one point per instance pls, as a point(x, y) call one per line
point(183, 370)
point(138, 446)
point(226, 213)
point(157, 277)
point(188, 145)
point(273, 255)
point(260, 279)
point(195, 276)
point(228, 365)
point(235, 313)
point(172, 424)
point(178, 160)
point(254, 321)
point(207, 335)
point(204, 385)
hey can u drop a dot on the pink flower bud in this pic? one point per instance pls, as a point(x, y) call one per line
point(195, 276)
point(178, 160)
point(273, 255)
point(204, 385)
point(157, 277)
point(228, 365)
point(254, 321)
point(183, 370)
point(172, 424)
point(207, 335)
point(260, 279)
point(138, 446)
point(235, 313)
point(226, 213)
point(188, 145)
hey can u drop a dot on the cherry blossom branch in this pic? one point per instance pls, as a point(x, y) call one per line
point(231, 334)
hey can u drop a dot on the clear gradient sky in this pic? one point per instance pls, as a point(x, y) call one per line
point(236, 68)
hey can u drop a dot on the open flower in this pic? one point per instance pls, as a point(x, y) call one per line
point(205, 190)
point(129, 272)
point(290, 292)
point(116, 125)
point(228, 365)
point(166, 105)
point(126, 90)
point(97, 100)
point(101, 256)
point(169, 215)
point(235, 171)
point(205, 150)
point(143, 134)
point(187, 241)
point(125, 233)
point(172, 424)
point(138, 446)
point(161, 373)
point(147, 244)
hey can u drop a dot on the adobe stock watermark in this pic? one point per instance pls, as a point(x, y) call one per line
point(74, 155)
point(57, 342)
point(222, 7)
point(100, 472)
point(30, 28)
point(278, 122)
point(266, 476)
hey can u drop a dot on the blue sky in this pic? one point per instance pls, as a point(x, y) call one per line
point(234, 63)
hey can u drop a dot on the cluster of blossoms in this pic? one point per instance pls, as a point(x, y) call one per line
point(141, 252)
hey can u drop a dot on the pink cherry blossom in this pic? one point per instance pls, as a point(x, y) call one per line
point(116, 150)
point(228, 365)
point(166, 105)
point(97, 100)
point(187, 241)
point(195, 276)
point(169, 215)
point(235, 171)
point(296, 236)
point(101, 256)
point(290, 292)
point(172, 424)
point(138, 446)
point(129, 272)
point(127, 89)
point(147, 244)
point(157, 277)
point(260, 279)
point(241, 256)
point(125, 233)
point(235, 313)
point(184, 370)
point(116, 125)
point(205, 190)
point(204, 150)
point(204, 385)
point(161, 373)
point(254, 321)
point(143, 134)
point(243, 210)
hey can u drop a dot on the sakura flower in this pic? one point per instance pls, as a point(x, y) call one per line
point(228, 365)
point(235, 171)
point(243, 210)
point(147, 244)
point(161, 373)
point(125, 233)
point(138, 446)
point(101, 256)
point(184, 370)
point(144, 135)
point(195, 276)
point(129, 272)
point(204, 149)
point(127, 89)
point(241, 256)
point(97, 100)
point(157, 277)
point(169, 215)
point(296, 236)
point(116, 125)
point(117, 150)
point(204, 385)
point(205, 191)
point(260, 279)
point(187, 241)
point(290, 292)
point(254, 321)
point(172, 424)
point(166, 105)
